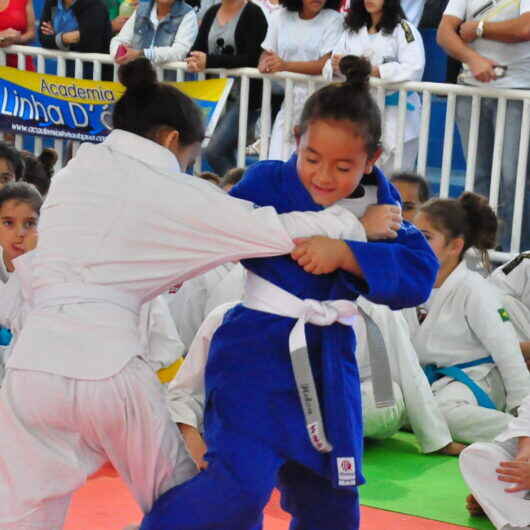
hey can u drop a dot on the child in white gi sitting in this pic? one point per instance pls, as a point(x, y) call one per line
point(462, 335)
point(498, 475)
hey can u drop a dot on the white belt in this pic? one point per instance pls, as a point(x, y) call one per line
point(79, 293)
point(262, 295)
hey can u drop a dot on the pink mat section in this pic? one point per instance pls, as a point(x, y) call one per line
point(106, 504)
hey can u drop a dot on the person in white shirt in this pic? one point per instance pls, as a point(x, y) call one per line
point(300, 39)
point(463, 336)
point(498, 474)
point(120, 225)
point(377, 29)
point(163, 31)
point(496, 56)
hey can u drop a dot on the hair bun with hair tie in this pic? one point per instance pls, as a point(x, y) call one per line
point(138, 75)
point(357, 71)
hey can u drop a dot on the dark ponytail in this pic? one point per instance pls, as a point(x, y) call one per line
point(469, 217)
point(350, 100)
point(147, 105)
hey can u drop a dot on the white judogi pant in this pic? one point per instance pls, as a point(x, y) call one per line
point(67, 429)
point(507, 511)
point(467, 421)
point(382, 423)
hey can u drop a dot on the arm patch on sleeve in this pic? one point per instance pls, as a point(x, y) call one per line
point(409, 36)
point(505, 317)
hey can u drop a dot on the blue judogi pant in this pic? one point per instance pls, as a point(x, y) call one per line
point(232, 493)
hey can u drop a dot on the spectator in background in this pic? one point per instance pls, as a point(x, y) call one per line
point(230, 36)
point(232, 177)
point(491, 46)
point(300, 39)
point(414, 191)
point(377, 30)
point(11, 164)
point(77, 26)
point(17, 26)
point(37, 170)
point(161, 30)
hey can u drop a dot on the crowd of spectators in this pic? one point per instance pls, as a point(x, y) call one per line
point(489, 43)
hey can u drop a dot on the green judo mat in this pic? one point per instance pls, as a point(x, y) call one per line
point(401, 479)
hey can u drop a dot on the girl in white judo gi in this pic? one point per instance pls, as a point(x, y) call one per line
point(120, 225)
point(463, 336)
point(498, 474)
point(378, 30)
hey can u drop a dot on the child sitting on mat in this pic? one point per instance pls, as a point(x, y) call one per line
point(498, 475)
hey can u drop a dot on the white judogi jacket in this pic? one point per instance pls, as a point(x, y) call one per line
point(519, 426)
point(190, 304)
point(425, 418)
point(160, 341)
point(466, 322)
point(513, 280)
point(400, 57)
point(122, 222)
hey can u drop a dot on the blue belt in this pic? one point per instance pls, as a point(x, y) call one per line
point(5, 336)
point(457, 373)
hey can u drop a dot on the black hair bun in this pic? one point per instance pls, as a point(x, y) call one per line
point(137, 75)
point(357, 71)
point(481, 219)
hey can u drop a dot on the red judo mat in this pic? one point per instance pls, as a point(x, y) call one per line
point(105, 503)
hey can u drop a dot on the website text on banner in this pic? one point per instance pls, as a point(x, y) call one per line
point(77, 109)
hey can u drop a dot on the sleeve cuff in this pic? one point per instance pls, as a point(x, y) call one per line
point(60, 44)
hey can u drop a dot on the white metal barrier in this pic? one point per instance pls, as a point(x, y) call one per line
point(426, 91)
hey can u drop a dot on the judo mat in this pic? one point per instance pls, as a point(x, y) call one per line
point(406, 491)
point(106, 504)
point(401, 479)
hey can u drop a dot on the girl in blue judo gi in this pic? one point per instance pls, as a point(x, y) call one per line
point(283, 404)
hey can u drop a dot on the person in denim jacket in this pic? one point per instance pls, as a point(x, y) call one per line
point(161, 30)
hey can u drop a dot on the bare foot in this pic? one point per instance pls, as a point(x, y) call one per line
point(452, 449)
point(473, 507)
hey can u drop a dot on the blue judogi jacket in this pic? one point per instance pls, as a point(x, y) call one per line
point(250, 386)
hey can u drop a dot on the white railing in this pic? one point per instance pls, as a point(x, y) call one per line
point(426, 91)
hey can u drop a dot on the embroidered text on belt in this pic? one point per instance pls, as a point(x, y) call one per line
point(262, 295)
